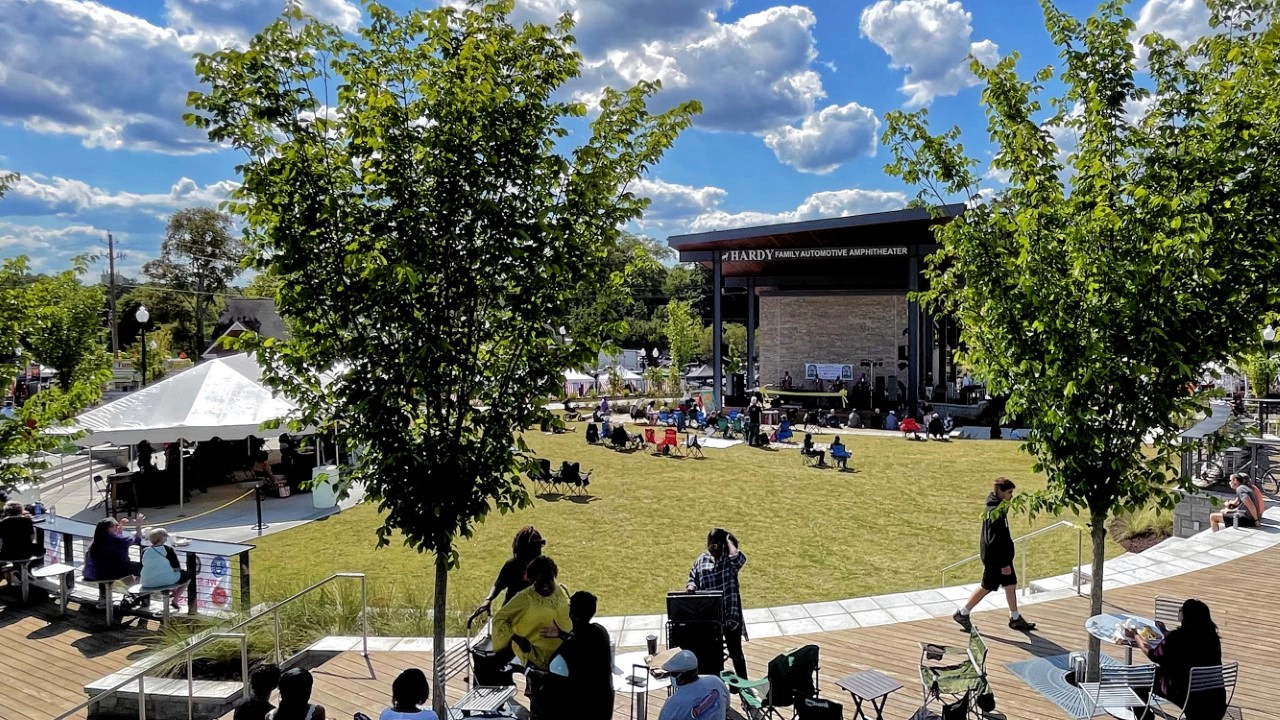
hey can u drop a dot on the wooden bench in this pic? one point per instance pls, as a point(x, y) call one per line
point(23, 568)
point(66, 581)
point(166, 595)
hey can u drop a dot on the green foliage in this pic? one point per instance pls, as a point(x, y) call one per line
point(1143, 521)
point(734, 336)
point(1090, 290)
point(198, 257)
point(417, 193)
point(65, 329)
point(159, 347)
point(263, 285)
point(171, 310)
point(684, 334)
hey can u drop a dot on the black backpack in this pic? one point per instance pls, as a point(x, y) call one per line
point(593, 434)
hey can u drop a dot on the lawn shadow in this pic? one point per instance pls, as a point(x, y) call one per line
point(555, 497)
point(581, 499)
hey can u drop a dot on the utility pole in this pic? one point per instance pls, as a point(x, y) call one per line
point(111, 296)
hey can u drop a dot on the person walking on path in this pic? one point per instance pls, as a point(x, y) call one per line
point(717, 570)
point(995, 547)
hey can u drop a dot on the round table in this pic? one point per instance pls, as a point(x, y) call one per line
point(639, 682)
point(1108, 628)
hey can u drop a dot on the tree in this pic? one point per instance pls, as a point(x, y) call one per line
point(171, 310)
point(159, 346)
point(691, 283)
point(734, 339)
point(65, 330)
point(199, 257)
point(262, 286)
point(1091, 290)
point(432, 225)
point(684, 337)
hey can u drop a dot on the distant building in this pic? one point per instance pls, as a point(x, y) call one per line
point(245, 315)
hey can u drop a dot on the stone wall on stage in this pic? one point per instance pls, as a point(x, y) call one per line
point(844, 329)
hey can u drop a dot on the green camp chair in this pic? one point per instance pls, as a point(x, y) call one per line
point(722, 426)
point(793, 676)
point(956, 673)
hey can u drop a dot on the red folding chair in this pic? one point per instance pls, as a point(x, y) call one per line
point(671, 438)
point(651, 438)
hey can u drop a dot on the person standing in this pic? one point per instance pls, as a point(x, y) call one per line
point(754, 413)
point(585, 691)
point(696, 697)
point(995, 547)
point(717, 570)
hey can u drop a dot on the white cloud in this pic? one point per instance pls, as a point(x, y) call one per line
point(832, 203)
point(49, 249)
point(58, 195)
point(241, 19)
point(673, 201)
point(931, 39)
point(111, 79)
point(827, 139)
point(1183, 21)
point(751, 75)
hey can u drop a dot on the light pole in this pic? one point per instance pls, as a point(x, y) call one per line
point(142, 316)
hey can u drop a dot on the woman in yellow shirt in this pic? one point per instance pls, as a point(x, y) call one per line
point(534, 619)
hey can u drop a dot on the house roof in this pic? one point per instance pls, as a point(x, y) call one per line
point(243, 315)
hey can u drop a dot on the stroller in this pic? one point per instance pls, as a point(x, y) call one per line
point(490, 689)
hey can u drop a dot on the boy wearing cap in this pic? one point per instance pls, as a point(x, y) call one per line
point(701, 697)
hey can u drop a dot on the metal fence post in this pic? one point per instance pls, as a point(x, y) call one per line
point(275, 618)
point(1079, 559)
point(142, 697)
point(191, 685)
point(1026, 579)
point(364, 612)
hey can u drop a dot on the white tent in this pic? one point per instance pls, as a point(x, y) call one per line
point(218, 398)
point(577, 384)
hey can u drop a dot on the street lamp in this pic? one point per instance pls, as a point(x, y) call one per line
point(142, 316)
point(1269, 333)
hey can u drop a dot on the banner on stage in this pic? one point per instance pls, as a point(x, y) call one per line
point(828, 371)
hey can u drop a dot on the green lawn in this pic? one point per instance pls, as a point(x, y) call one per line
point(810, 534)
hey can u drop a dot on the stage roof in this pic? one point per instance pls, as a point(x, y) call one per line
point(831, 246)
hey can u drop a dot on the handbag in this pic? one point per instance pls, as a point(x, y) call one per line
point(957, 710)
point(819, 709)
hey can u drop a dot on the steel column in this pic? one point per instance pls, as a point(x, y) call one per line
point(913, 335)
point(717, 370)
point(750, 370)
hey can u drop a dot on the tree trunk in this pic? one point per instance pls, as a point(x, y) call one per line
point(438, 701)
point(1098, 532)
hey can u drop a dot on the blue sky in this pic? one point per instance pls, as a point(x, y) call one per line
point(91, 96)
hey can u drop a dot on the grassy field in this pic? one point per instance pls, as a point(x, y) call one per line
point(810, 534)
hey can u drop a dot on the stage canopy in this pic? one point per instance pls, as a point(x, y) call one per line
point(218, 398)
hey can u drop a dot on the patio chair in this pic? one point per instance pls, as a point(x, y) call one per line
point(792, 676)
point(1168, 611)
point(1205, 682)
point(956, 673)
point(104, 492)
point(1118, 688)
point(692, 446)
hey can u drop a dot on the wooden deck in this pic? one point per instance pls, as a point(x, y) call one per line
point(46, 660)
point(1239, 593)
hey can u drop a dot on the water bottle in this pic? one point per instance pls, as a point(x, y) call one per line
point(53, 510)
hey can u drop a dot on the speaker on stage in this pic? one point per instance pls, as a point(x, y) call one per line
point(737, 384)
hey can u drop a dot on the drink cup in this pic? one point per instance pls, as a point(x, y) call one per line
point(652, 643)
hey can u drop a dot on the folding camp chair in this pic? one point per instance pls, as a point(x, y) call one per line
point(1216, 679)
point(808, 459)
point(841, 455)
point(651, 437)
point(1119, 687)
point(738, 425)
point(792, 676)
point(784, 431)
point(692, 446)
point(671, 439)
point(572, 476)
point(544, 477)
point(722, 426)
point(664, 417)
point(957, 673)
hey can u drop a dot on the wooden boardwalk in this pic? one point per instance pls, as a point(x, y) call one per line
point(46, 660)
point(1239, 593)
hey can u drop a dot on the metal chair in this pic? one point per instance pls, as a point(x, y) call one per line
point(1205, 680)
point(1168, 611)
point(1117, 688)
point(692, 446)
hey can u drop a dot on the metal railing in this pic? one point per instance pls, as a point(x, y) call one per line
point(189, 649)
point(1021, 539)
point(235, 632)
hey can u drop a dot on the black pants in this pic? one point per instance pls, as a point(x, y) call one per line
point(733, 641)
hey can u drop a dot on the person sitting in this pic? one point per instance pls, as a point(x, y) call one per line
point(606, 428)
point(262, 468)
point(810, 451)
point(295, 697)
point(107, 557)
point(262, 681)
point(832, 421)
point(581, 681)
point(909, 425)
point(618, 436)
point(701, 697)
point(784, 432)
point(592, 434)
point(840, 454)
point(935, 429)
point(650, 413)
point(891, 421)
point(1195, 643)
point(1244, 510)
point(18, 533)
point(145, 463)
point(409, 692)
point(160, 565)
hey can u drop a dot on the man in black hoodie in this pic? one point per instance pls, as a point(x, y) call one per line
point(995, 547)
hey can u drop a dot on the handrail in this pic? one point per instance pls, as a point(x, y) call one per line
point(188, 650)
point(1022, 538)
point(201, 639)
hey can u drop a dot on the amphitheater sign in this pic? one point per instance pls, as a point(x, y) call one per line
point(824, 253)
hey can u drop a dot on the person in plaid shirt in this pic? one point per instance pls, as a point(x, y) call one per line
point(717, 569)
